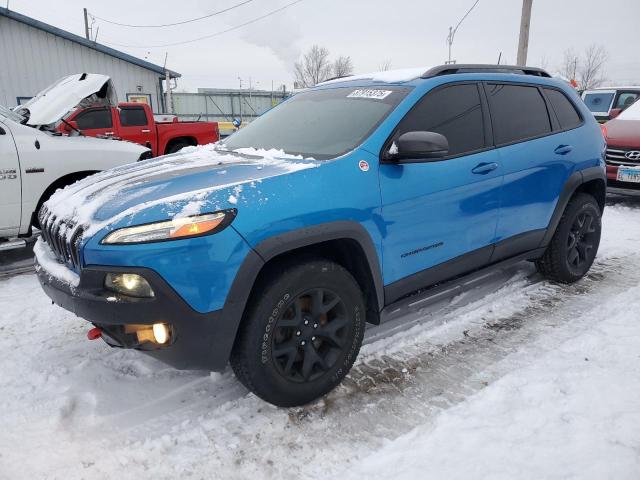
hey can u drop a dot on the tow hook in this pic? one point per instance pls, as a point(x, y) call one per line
point(94, 333)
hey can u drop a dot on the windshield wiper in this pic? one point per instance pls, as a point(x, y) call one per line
point(74, 128)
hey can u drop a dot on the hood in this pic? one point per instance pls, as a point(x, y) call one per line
point(186, 183)
point(55, 101)
point(623, 133)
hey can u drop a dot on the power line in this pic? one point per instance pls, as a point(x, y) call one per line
point(176, 23)
point(273, 12)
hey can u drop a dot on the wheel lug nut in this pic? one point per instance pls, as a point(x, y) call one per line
point(315, 325)
point(298, 333)
point(306, 322)
point(303, 343)
point(313, 339)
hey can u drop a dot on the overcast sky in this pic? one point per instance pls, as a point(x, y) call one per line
point(406, 33)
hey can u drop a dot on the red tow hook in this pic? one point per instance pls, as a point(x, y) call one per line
point(94, 333)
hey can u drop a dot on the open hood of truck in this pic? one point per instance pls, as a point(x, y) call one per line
point(55, 101)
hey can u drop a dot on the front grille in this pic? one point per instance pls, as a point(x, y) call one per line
point(616, 156)
point(55, 233)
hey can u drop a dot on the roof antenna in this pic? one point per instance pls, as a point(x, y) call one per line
point(499, 58)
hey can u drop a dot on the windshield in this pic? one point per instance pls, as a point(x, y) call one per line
point(599, 102)
point(320, 124)
point(11, 115)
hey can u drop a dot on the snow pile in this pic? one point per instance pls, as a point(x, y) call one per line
point(80, 201)
point(51, 265)
point(572, 413)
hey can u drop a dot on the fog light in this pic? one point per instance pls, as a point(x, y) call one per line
point(160, 333)
point(130, 284)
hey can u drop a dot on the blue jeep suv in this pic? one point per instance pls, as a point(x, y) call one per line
point(272, 249)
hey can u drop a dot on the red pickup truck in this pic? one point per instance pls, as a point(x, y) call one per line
point(135, 122)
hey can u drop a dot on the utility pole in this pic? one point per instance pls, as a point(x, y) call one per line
point(167, 76)
point(452, 31)
point(86, 24)
point(525, 22)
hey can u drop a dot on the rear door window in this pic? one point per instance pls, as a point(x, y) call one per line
point(566, 113)
point(133, 117)
point(518, 112)
point(455, 112)
point(94, 118)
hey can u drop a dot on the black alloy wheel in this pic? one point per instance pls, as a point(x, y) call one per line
point(310, 335)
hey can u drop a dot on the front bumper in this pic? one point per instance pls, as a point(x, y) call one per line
point(199, 341)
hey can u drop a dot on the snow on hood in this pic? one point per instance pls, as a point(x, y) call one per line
point(180, 182)
point(630, 113)
point(58, 99)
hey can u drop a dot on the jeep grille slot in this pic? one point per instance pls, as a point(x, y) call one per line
point(54, 232)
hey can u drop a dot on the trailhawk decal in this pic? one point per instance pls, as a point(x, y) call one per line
point(422, 249)
point(370, 93)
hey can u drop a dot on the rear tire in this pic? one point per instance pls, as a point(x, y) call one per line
point(301, 333)
point(176, 147)
point(575, 242)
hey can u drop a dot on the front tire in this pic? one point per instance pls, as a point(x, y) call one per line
point(301, 333)
point(575, 243)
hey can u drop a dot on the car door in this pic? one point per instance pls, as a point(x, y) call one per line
point(10, 190)
point(95, 121)
point(136, 127)
point(440, 216)
point(536, 157)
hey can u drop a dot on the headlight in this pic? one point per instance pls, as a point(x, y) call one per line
point(130, 284)
point(185, 227)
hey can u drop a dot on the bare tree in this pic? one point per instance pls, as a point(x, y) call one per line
point(586, 70)
point(590, 71)
point(570, 63)
point(313, 68)
point(342, 67)
point(385, 65)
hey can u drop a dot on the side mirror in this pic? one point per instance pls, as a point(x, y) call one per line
point(614, 112)
point(413, 147)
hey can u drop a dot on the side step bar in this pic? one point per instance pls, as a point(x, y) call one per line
point(13, 244)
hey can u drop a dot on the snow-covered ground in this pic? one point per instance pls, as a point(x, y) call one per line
point(518, 378)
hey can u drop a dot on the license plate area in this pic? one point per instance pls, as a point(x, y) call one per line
point(628, 174)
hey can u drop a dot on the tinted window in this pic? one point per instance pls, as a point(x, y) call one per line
point(517, 113)
point(564, 109)
point(598, 102)
point(132, 117)
point(454, 112)
point(96, 118)
point(320, 123)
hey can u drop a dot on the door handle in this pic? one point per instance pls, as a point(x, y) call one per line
point(145, 130)
point(563, 149)
point(484, 168)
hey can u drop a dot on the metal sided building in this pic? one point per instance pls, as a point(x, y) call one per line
point(34, 54)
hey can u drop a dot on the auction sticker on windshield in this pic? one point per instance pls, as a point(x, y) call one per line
point(371, 93)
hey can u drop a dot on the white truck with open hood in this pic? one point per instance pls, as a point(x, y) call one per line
point(35, 160)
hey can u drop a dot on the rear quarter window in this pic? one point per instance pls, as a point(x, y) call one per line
point(566, 113)
point(518, 112)
point(133, 117)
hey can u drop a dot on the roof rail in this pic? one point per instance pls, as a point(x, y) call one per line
point(480, 68)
